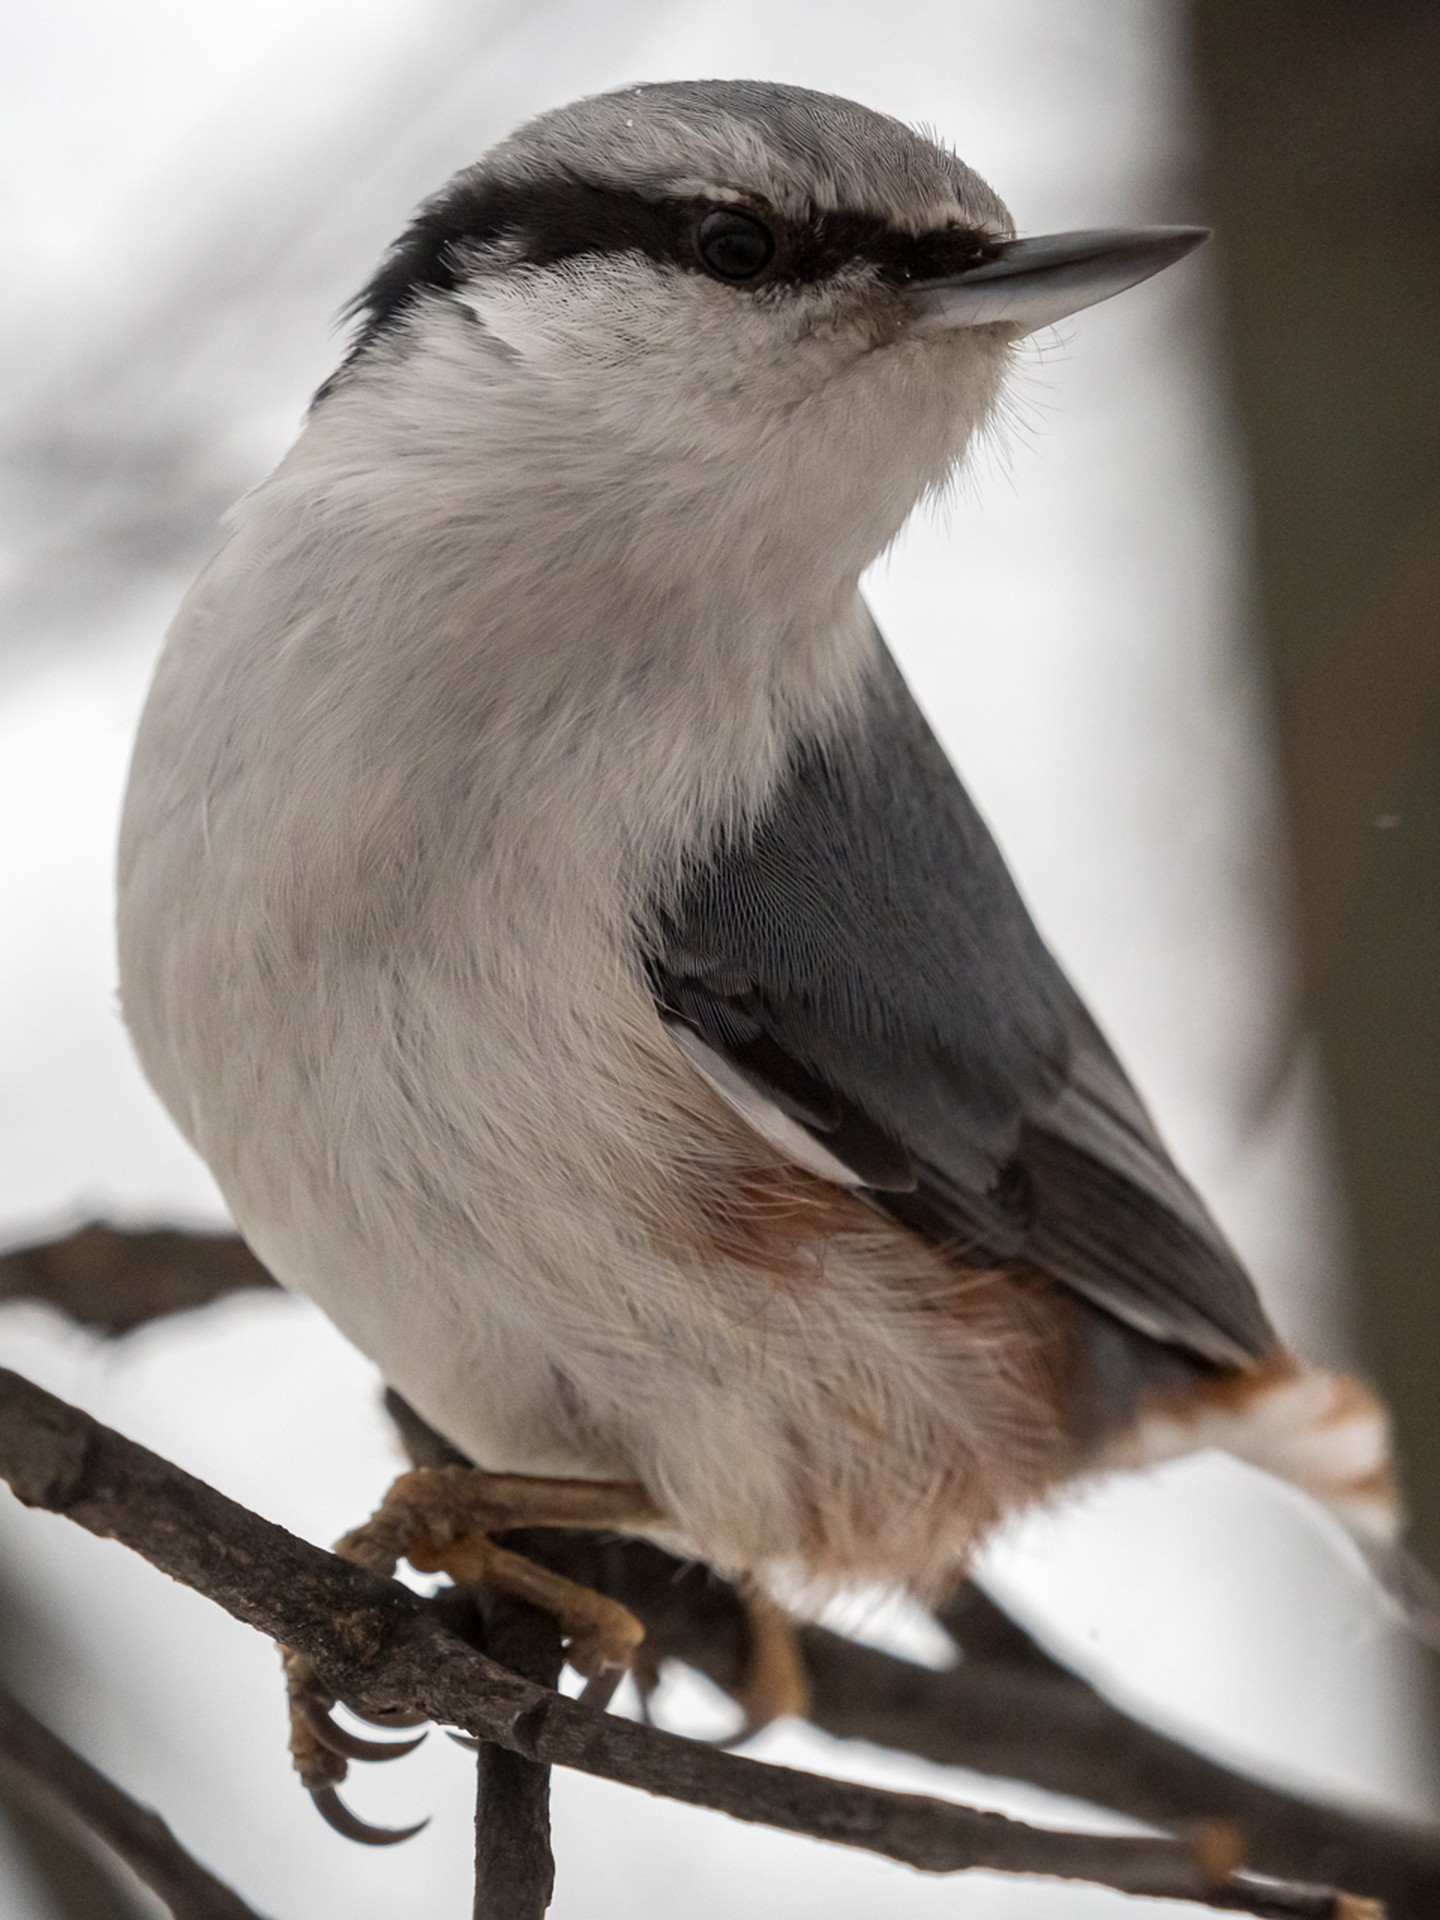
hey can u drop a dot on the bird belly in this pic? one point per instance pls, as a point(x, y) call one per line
point(574, 1260)
point(417, 1049)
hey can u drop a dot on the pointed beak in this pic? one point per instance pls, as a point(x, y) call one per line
point(1030, 284)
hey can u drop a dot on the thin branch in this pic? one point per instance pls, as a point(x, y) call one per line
point(44, 1769)
point(1024, 1717)
point(1007, 1708)
point(376, 1645)
point(114, 1280)
point(514, 1864)
point(514, 1861)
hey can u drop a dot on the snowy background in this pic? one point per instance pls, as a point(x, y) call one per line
point(188, 195)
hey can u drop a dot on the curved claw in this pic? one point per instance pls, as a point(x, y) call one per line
point(465, 1740)
point(351, 1744)
point(395, 1717)
point(334, 1812)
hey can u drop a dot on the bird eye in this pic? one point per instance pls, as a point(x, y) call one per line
point(734, 246)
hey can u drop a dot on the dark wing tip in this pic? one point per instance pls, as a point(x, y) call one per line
point(1114, 1240)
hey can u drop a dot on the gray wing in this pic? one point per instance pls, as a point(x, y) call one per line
point(862, 960)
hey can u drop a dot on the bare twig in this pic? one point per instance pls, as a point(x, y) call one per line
point(1008, 1708)
point(1023, 1718)
point(115, 1280)
point(377, 1646)
point(56, 1777)
point(514, 1864)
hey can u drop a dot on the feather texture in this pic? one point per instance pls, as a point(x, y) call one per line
point(860, 954)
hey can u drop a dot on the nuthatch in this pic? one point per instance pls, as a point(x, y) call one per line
point(547, 911)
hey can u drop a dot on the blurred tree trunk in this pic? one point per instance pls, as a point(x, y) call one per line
point(1322, 178)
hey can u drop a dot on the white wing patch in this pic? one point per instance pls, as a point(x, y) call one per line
point(771, 1122)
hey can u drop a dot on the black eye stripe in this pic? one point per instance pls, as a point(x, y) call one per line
point(551, 221)
point(825, 244)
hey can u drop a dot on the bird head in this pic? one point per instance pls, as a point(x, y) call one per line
point(679, 298)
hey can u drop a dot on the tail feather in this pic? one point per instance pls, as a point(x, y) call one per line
point(1329, 1435)
point(1325, 1433)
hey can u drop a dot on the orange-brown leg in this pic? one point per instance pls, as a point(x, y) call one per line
point(774, 1683)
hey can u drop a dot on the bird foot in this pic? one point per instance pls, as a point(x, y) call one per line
point(441, 1520)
